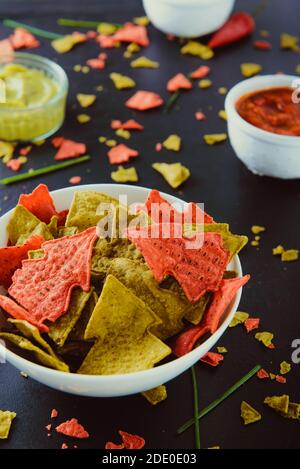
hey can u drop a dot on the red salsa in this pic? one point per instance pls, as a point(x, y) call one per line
point(271, 109)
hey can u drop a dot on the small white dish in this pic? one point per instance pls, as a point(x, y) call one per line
point(264, 153)
point(188, 18)
point(114, 385)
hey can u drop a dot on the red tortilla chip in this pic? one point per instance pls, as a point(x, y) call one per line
point(97, 64)
point(91, 34)
point(14, 164)
point(222, 299)
point(23, 39)
point(191, 215)
point(131, 124)
point(196, 270)
point(200, 116)
point(25, 150)
point(17, 312)
point(251, 324)
point(111, 445)
point(75, 180)
point(43, 286)
point(200, 72)
point(262, 374)
point(144, 100)
point(132, 441)
point(62, 216)
point(12, 256)
point(280, 379)
point(39, 203)
point(121, 154)
point(131, 33)
point(107, 42)
point(68, 148)
point(54, 413)
point(179, 82)
point(72, 428)
point(212, 358)
point(185, 341)
point(158, 146)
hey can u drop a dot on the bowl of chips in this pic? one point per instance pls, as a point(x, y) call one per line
point(94, 308)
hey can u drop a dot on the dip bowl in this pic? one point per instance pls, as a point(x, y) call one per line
point(264, 153)
point(122, 384)
point(188, 18)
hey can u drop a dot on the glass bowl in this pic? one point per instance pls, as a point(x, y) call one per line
point(38, 121)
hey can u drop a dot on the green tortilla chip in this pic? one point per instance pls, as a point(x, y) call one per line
point(41, 356)
point(121, 323)
point(164, 303)
point(249, 414)
point(61, 328)
point(22, 222)
point(239, 318)
point(78, 330)
point(156, 395)
point(66, 231)
point(293, 411)
point(53, 226)
point(31, 332)
point(36, 254)
point(84, 210)
point(6, 418)
point(41, 229)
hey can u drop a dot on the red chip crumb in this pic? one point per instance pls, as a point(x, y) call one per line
point(96, 64)
point(131, 33)
point(144, 100)
point(22, 39)
point(121, 154)
point(158, 146)
point(262, 374)
point(107, 42)
point(68, 148)
point(48, 427)
point(54, 413)
point(200, 72)
point(132, 441)
point(280, 379)
point(271, 346)
point(48, 435)
point(251, 324)
point(212, 358)
point(72, 428)
point(14, 164)
point(91, 35)
point(262, 45)
point(75, 180)
point(200, 116)
point(64, 446)
point(111, 445)
point(179, 82)
point(25, 150)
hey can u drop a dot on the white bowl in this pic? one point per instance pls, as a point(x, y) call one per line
point(188, 18)
point(264, 153)
point(114, 385)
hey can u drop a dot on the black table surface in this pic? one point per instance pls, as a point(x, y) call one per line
point(230, 192)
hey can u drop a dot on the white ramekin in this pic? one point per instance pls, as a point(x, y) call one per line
point(188, 18)
point(264, 153)
point(130, 383)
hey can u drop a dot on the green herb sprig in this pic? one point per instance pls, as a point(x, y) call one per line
point(32, 29)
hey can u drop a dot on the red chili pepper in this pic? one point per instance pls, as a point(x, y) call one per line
point(239, 25)
point(263, 45)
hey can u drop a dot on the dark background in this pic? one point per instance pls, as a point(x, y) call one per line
point(230, 192)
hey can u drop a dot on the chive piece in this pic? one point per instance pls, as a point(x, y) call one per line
point(46, 170)
point(81, 24)
point(196, 408)
point(171, 101)
point(220, 399)
point(37, 31)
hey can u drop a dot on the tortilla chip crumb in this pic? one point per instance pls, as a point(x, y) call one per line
point(293, 411)
point(6, 418)
point(285, 368)
point(222, 349)
point(122, 82)
point(278, 403)
point(111, 143)
point(222, 114)
point(48, 427)
point(141, 20)
point(85, 100)
point(85, 69)
point(272, 376)
point(265, 337)
point(77, 68)
point(123, 133)
point(211, 139)
point(102, 139)
point(197, 49)
point(251, 324)
point(256, 229)
point(250, 69)
point(264, 33)
point(222, 90)
point(287, 41)
point(83, 118)
point(173, 142)
point(156, 395)
point(144, 62)
point(239, 318)
point(54, 413)
point(64, 446)
point(200, 116)
point(280, 379)
point(23, 374)
point(125, 175)
point(290, 255)
point(249, 414)
point(205, 83)
point(278, 250)
point(174, 173)
point(254, 243)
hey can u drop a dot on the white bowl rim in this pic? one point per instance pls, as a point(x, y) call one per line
point(98, 379)
point(259, 81)
point(196, 3)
